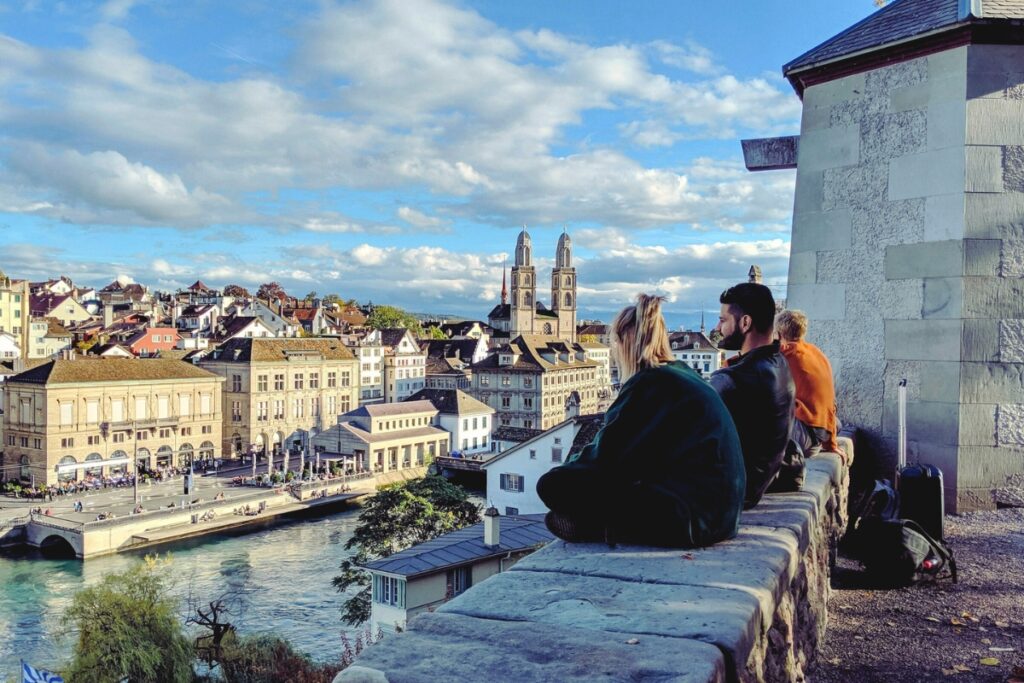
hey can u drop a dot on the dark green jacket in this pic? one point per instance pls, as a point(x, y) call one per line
point(670, 433)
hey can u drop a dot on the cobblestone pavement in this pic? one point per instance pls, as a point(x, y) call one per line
point(970, 631)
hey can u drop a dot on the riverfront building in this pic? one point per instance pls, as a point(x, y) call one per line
point(536, 382)
point(279, 391)
point(66, 418)
point(468, 420)
point(385, 437)
point(422, 577)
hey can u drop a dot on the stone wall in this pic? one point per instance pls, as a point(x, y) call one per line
point(749, 609)
point(907, 255)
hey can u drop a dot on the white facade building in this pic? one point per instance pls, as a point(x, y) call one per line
point(512, 475)
point(405, 365)
point(469, 421)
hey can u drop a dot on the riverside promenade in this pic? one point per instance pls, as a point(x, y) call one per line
point(108, 524)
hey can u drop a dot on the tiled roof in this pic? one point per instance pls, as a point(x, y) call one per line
point(55, 329)
point(84, 370)
point(392, 409)
point(462, 349)
point(393, 336)
point(515, 434)
point(452, 401)
point(465, 546)
point(689, 340)
point(390, 435)
point(902, 20)
point(531, 359)
point(590, 425)
point(229, 327)
point(265, 349)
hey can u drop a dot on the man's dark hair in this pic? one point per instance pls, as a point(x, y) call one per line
point(753, 299)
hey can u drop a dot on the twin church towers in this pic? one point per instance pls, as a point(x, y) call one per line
point(526, 314)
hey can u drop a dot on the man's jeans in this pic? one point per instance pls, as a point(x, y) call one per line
point(808, 438)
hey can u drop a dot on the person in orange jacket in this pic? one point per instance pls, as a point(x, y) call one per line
point(815, 424)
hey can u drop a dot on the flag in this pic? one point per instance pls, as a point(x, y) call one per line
point(30, 674)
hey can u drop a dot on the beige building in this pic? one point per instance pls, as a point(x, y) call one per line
point(405, 365)
point(537, 382)
point(67, 418)
point(14, 315)
point(385, 437)
point(47, 338)
point(280, 390)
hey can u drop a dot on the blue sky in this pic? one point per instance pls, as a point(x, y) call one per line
point(391, 150)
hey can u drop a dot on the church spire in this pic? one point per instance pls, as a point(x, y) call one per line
point(702, 318)
point(504, 290)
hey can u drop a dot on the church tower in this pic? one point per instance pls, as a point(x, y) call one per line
point(563, 289)
point(523, 307)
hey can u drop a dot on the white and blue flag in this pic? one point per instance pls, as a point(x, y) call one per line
point(30, 674)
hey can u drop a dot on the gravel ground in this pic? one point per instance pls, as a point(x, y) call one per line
point(969, 631)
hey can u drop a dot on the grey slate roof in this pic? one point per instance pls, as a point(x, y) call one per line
point(465, 546)
point(902, 20)
point(451, 401)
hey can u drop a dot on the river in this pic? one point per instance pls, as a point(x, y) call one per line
point(280, 575)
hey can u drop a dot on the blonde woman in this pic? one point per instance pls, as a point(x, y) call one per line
point(666, 468)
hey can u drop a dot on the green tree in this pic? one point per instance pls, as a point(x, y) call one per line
point(270, 291)
point(385, 317)
point(397, 517)
point(127, 629)
point(330, 299)
point(309, 297)
point(433, 332)
point(269, 659)
point(589, 339)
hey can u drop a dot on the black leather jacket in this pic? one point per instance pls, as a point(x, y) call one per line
point(758, 391)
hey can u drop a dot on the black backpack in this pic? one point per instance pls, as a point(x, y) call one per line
point(894, 551)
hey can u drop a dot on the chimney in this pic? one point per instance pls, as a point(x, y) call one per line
point(108, 314)
point(492, 528)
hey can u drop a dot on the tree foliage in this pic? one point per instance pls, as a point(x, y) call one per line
point(385, 317)
point(310, 296)
point(271, 291)
point(433, 332)
point(332, 299)
point(236, 291)
point(269, 659)
point(127, 629)
point(397, 517)
point(589, 339)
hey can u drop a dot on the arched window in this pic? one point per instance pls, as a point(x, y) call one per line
point(185, 453)
point(165, 456)
point(568, 281)
point(526, 279)
point(118, 455)
point(142, 459)
point(95, 471)
point(65, 469)
point(206, 450)
point(568, 300)
point(547, 328)
point(565, 257)
point(26, 471)
point(527, 299)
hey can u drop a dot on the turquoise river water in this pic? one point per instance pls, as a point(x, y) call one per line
point(280, 577)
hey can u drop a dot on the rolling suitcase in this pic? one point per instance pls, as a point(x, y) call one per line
point(920, 485)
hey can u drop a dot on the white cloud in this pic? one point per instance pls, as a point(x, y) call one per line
point(418, 218)
point(432, 96)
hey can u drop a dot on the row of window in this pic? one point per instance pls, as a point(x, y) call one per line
point(478, 423)
point(299, 381)
point(552, 379)
point(299, 408)
point(118, 409)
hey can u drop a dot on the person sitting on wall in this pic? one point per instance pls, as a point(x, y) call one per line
point(666, 467)
point(815, 423)
point(756, 385)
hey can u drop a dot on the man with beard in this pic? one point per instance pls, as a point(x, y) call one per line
point(756, 386)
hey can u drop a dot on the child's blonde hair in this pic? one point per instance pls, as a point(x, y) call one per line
point(639, 336)
point(791, 325)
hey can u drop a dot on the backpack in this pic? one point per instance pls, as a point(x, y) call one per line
point(899, 552)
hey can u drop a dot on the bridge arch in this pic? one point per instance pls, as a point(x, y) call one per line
point(56, 546)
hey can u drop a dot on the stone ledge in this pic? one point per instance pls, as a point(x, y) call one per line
point(748, 609)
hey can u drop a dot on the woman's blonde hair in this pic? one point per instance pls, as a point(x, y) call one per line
point(791, 325)
point(639, 336)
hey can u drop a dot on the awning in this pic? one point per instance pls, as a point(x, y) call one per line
point(91, 464)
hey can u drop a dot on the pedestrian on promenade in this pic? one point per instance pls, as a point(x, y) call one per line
point(666, 467)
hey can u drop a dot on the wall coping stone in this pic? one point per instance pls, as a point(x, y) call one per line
point(749, 609)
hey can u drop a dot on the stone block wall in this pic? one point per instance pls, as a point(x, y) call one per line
point(749, 609)
point(908, 256)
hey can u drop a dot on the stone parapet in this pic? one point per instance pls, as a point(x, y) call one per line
point(750, 609)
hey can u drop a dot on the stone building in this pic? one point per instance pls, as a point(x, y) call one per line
point(66, 418)
point(908, 231)
point(536, 382)
point(279, 391)
point(523, 313)
point(385, 437)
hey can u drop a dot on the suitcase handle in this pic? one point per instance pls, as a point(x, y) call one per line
point(901, 443)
